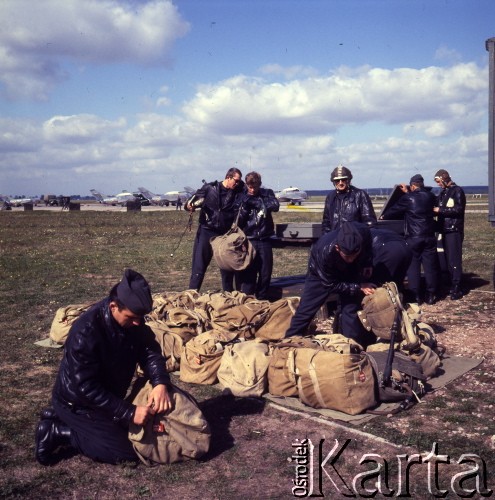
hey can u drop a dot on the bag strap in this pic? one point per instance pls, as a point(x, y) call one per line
point(387, 372)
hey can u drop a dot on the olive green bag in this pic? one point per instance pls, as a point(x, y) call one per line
point(201, 356)
point(180, 434)
point(339, 378)
point(243, 370)
point(63, 320)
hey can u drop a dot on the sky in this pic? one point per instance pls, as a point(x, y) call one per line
point(117, 94)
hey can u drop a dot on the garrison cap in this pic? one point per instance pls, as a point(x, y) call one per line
point(134, 292)
point(349, 238)
point(416, 178)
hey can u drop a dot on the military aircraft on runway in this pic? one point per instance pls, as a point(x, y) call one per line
point(169, 198)
point(19, 202)
point(118, 199)
point(292, 195)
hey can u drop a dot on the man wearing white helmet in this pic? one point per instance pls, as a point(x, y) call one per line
point(347, 203)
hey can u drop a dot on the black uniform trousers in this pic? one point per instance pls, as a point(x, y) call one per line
point(313, 297)
point(391, 260)
point(452, 246)
point(255, 280)
point(201, 258)
point(424, 250)
point(95, 435)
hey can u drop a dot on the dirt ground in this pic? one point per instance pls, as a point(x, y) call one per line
point(256, 446)
point(266, 436)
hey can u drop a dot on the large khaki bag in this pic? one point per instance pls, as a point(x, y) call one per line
point(164, 301)
point(243, 370)
point(336, 342)
point(277, 320)
point(379, 311)
point(201, 356)
point(170, 342)
point(337, 380)
point(237, 312)
point(282, 366)
point(63, 320)
point(180, 434)
point(233, 251)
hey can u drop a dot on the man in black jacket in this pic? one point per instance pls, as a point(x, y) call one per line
point(256, 220)
point(347, 203)
point(340, 262)
point(219, 204)
point(415, 206)
point(105, 344)
point(451, 205)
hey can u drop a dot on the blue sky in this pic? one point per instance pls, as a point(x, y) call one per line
point(116, 94)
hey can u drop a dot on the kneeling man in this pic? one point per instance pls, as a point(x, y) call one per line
point(103, 348)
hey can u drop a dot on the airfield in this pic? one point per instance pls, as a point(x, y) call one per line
point(473, 206)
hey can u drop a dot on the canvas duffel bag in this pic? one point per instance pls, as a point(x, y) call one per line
point(233, 251)
point(277, 320)
point(341, 381)
point(63, 320)
point(282, 369)
point(379, 312)
point(201, 356)
point(243, 370)
point(180, 434)
point(170, 342)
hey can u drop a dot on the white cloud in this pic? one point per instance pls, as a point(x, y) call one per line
point(384, 124)
point(288, 72)
point(243, 104)
point(39, 36)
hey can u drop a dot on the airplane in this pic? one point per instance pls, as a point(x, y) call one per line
point(118, 199)
point(169, 198)
point(292, 195)
point(18, 202)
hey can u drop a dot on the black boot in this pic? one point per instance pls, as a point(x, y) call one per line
point(50, 434)
point(430, 298)
point(456, 293)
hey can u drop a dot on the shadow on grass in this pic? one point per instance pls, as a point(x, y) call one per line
point(219, 412)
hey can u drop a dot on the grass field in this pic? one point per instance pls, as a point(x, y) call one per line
point(51, 259)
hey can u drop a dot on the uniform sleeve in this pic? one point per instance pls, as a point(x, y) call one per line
point(152, 360)
point(367, 211)
point(327, 222)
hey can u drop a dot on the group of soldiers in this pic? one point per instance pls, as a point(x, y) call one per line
point(354, 255)
point(89, 412)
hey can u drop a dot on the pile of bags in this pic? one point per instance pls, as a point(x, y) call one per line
point(237, 340)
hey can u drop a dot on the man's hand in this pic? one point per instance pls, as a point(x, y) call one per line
point(158, 402)
point(142, 415)
point(368, 288)
point(436, 210)
point(159, 399)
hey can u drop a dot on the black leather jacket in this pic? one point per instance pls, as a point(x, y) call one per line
point(416, 208)
point(452, 204)
point(219, 207)
point(352, 206)
point(326, 264)
point(99, 361)
point(255, 217)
